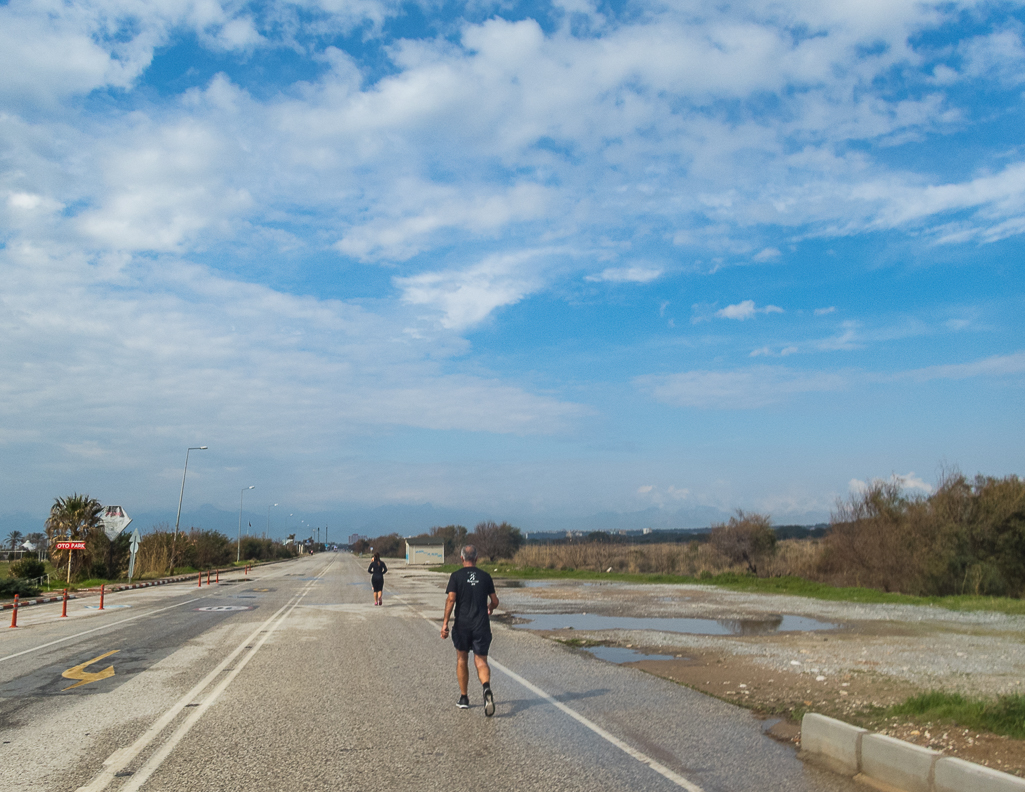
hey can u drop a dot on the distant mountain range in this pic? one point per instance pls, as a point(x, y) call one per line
point(407, 520)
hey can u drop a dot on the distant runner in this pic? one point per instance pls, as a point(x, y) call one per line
point(469, 591)
point(377, 569)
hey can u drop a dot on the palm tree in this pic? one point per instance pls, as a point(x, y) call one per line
point(39, 540)
point(73, 517)
point(14, 538)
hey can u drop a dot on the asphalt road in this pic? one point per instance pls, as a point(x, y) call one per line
point(293, 680)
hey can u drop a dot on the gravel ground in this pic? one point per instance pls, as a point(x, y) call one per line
point(874, 656)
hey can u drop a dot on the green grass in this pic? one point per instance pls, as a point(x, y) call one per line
point(1005, 715)
point(794, 586)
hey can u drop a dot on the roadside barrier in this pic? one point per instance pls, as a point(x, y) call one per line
point(888, 763)
point(14, 612)
point(64, 596)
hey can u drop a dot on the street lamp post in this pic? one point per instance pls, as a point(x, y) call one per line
point(268, 518)
point(174, 539)
point(238, 552)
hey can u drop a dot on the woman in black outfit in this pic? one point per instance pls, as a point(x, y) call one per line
point(377, 569)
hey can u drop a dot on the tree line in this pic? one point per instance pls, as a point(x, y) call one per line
point(161, 551)
point(492, 540)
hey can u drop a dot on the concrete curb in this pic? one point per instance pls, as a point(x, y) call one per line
point(891, 764)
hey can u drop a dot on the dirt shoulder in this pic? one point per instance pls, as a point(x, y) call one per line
point(872, 657)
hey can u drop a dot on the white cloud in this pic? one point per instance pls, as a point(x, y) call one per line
point(745, 310)
point(908, 481)
point(739, 389)
point(825, 311)
point(625, 275)
point(767, 254)
point(466, 297)
point(994, 366)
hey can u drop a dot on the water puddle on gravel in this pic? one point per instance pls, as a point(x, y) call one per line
point(620, 654)
point(593, 621)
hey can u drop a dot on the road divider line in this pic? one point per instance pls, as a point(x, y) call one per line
point(97, 629)
point(629, 750)
point(121, 758)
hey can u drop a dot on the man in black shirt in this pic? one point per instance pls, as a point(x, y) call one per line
point(471, 592)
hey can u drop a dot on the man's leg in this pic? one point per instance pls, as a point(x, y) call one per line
point(463, 669)
point(484, 675)
point(483, 669)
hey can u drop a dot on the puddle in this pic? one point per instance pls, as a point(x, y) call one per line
point(620, 654)
point(592, 621)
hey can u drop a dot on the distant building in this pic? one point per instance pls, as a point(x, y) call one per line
point(646, 531)
point(425, 550)
point(353, 538)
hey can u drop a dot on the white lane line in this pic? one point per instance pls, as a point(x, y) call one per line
point(629, 750)
point(97, 629)
point(641, 757)
point(142, 775)
point(120, 759)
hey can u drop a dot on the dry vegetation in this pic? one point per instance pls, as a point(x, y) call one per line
point(968, 537)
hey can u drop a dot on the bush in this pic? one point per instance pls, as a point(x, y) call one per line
point(12, 586)
point(27, 568)
point(746, 538)
point(495, 541)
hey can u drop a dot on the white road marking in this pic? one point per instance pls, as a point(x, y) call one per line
point(120, 759)
point(97, 629)
point(629, 750)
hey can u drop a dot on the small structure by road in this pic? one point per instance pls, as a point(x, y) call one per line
point(425, 550)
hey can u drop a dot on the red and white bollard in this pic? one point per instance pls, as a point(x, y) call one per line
point(64, 607)
point(218, 576)
point(14, 613)
point(101, 596)
point(199, 582)
point(208, 577)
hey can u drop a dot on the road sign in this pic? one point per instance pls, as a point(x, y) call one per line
point(114, 521)
point(73, 544)
point(134, 545)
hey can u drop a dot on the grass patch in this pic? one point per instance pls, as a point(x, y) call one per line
point(794, 586)
point(1005, 715)
point(580, 643)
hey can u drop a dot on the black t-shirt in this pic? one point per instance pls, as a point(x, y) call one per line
point(473, 588)
point(377, 569)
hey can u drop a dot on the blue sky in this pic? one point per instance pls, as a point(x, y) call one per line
point(536, 260)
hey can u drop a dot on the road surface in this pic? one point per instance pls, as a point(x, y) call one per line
point(293, 680)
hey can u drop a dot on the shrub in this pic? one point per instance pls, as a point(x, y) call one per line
point(495, 541)
point(12, 586)
point(746, 538)
point(27, 568)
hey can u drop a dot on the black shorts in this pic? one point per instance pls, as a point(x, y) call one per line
point(468, 640)
point(377, 583)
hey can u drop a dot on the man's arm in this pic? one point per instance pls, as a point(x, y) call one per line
point(449, 604)
point(493, 604)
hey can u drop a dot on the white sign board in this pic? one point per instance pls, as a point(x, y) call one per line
point(114, 521)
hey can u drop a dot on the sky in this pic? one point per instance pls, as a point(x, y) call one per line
point(537, 260)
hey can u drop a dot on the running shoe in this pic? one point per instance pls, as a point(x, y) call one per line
point(489, 703)
point(464, 702)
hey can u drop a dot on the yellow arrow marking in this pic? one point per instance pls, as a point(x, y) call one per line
point(79, 672)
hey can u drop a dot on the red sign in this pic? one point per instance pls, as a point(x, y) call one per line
point(74, 544)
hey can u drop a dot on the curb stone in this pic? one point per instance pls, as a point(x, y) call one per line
point(890, 764)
